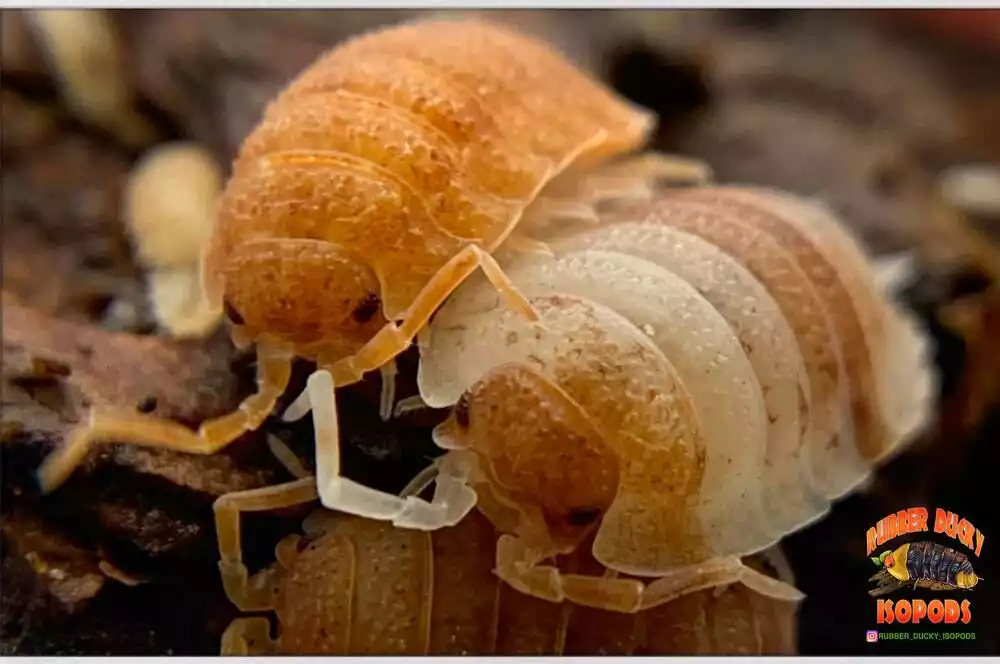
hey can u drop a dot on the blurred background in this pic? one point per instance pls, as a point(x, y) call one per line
point(891, 117)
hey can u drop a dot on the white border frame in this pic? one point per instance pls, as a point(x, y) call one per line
point(505, 4)
point(511, 4)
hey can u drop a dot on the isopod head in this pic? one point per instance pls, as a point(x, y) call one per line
point(298, 290)
point(551, 462)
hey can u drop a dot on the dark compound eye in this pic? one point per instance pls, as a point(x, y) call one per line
point(232, 314)
point(307, 541)
point(369, 306)
point(147, 405)
point(584, 516)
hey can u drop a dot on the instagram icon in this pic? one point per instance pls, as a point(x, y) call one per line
point(871, 636)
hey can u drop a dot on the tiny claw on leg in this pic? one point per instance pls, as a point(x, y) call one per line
point(388, 400)
point(298, 409)
point(286, 457)
point(409, 405)
point(769, 586)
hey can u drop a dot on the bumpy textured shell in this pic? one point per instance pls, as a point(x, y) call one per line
point(403, 145)
point(766, 349)
point(362, 587)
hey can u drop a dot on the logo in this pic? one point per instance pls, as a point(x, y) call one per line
point(924, 564)
point(871, 636)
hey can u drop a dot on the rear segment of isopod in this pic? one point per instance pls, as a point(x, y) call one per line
point(899, 350)
point(883, 357)
point(457, 124)
point(803, 308)
point(764, 334)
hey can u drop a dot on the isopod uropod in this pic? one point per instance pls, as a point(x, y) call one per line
point(377, 181)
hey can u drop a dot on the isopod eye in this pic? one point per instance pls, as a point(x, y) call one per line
point(148, 404)
point(367, 308)
point(583, 516)
point(231, 313)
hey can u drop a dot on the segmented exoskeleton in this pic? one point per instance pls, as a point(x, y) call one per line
point(711, 367)
point(355, 586)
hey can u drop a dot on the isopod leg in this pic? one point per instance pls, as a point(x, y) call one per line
point(519, 568)
point(388, 371)
point(394, 338)
point(247, 637)
point(638, 178)
point(714, 573)
point(388, 408)
point(452, 500)
point(256, 593)
point(120, 426)
point(524, 244)
point(634, 179)
point(286, 457)
point(409, 405)
point(662, 169)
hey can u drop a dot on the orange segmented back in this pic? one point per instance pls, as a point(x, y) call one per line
point(459, 122)
point(363, 587)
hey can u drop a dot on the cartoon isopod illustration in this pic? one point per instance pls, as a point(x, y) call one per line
point(924, 565)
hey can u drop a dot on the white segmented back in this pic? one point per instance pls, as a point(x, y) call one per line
point(630, 390)
point(899, 351)
point(765, 336)
point(698, 343)
point(760, 304)
point(843, 277)
point(832, 454)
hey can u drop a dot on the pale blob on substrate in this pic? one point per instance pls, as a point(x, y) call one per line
point(83, 49)
point(354, 586)
point(169, 206)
